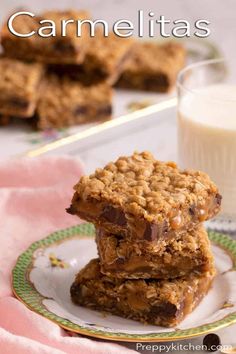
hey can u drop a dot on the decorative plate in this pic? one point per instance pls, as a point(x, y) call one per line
point(43, 275)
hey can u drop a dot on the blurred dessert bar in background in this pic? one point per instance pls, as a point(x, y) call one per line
point(4, 120)
point(104, 60)
point(152, 67)
point(106, 56)
point(65, 102)
point(53, 49)
point(80, 70)
point(19, 87)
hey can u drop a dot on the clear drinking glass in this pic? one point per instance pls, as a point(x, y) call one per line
point(207, 130)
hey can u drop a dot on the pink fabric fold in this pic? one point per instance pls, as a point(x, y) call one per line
point(33, 196)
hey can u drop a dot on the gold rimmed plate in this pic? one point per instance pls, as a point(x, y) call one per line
point(45, 271)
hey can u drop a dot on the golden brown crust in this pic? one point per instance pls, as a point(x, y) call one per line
point(163, 302)
point(145, 197)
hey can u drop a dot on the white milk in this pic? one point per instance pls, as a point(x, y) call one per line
point(207, 137)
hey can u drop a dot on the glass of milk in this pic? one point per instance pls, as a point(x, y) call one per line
point(207, 130)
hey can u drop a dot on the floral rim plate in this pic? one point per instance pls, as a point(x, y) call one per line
point(44, 272)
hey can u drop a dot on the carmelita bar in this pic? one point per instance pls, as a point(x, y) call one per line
point(173, 258)
point(163, 302)
point(143, 198)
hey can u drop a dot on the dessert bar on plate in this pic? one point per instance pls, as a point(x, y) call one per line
point(152, 67)
point(19, 87)
point(145, 199)
point(159, 302)
point(53, 49)
point(173, 258)
point(104, 60)
point(65, 102)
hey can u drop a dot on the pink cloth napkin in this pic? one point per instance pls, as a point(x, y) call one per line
point(33, 196)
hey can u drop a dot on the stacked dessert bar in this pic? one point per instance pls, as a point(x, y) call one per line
point(155, 263)
point(60, 81)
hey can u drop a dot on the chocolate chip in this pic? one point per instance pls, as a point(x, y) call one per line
point(120, 260)
point(149, 233)
point(109, 213)
point(166, 309)
point(104, 111)
point(168, 249)
point(165, 227)
point(80, 110)
point(114, 215)
point(63, 46)
point(192, 210)
point(153, 232)
point(98, 74)
point(211, 342)
point(218, 199)
point(156, 82)
point(71, 210)
point(119, 238)
point(19, 103)
point(74, 290)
